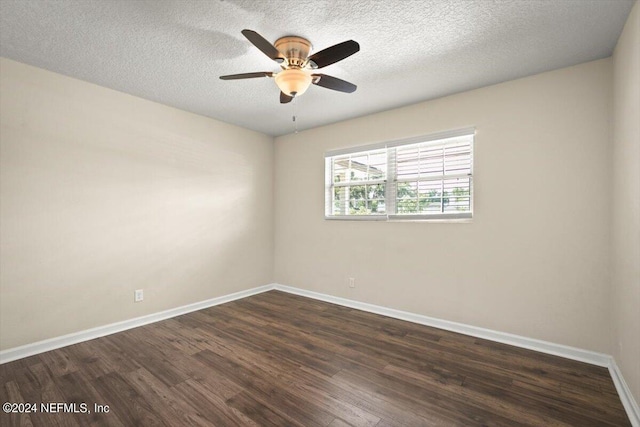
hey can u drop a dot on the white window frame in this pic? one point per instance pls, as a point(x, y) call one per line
point(391, 183)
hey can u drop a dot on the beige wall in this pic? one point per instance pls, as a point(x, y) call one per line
point(626, 203)
point(102, 193)
point(533, 262)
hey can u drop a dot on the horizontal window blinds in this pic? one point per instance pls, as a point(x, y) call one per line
point(434, 177)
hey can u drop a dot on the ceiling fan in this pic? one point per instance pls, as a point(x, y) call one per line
point(292, 53)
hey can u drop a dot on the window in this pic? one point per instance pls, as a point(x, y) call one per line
point(429, 177)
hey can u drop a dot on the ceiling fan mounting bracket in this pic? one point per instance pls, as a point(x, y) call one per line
point(295, 49)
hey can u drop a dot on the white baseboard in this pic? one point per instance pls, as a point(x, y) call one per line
point(89, 334)
point(568, 352)
point(629, 403)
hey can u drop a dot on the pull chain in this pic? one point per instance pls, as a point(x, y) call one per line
point(294, 117)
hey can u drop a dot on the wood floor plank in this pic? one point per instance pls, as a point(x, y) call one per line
point(89, 359)
point(125, 402)
point(37, 385)
point(269, 392)
point(171, 409)
point(212, 404)
point(58, 362)
point(277, 359)
point(423, 400)
point(375, 403)
point(15, 418)
point(76, 387)
point(260, 413)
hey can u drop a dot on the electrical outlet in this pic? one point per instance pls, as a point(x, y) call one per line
point(138, 295)
point(352, 282)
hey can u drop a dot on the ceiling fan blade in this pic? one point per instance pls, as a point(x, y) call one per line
point(333, 54)
point(284, 98)
point(247, 75)
point(333, 83)
point(264, 45)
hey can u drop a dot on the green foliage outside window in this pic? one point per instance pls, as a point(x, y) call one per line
point(370, 199)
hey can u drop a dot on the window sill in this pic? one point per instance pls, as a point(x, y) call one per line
point(464, 218)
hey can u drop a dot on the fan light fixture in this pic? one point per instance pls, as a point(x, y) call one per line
point(298, 68)
point(293, 82)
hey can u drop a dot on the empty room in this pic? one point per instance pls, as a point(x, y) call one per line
point(320, 213)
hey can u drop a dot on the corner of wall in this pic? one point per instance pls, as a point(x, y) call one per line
point(625, 205)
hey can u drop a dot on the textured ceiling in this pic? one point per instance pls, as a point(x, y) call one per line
point(172, 51)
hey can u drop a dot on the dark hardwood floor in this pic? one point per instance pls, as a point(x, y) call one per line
point(280, 359)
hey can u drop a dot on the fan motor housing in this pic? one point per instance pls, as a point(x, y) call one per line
point(295, 49)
